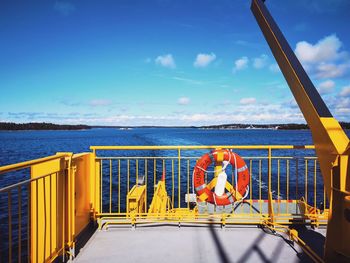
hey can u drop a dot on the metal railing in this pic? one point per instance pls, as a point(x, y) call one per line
point(288, 172)
point(45, 207)
point(55, 198)
point(28, 234)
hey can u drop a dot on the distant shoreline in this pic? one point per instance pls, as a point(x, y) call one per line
point(9, 126)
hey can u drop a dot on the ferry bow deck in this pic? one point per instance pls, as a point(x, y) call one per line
point(197, 244)
point(140, 200)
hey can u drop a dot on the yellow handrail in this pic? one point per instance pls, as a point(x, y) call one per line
point(22, 165)
point(197, 147)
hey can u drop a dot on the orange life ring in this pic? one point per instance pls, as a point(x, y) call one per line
point(204, 191)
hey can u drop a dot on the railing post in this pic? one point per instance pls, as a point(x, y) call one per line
point(179, 176)
point(269, 168)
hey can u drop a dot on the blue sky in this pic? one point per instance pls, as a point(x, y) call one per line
point(165, 62)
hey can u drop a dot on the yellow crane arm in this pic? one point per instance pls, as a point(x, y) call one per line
point(331, 143)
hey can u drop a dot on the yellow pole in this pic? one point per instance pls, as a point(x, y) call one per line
point(179, 177)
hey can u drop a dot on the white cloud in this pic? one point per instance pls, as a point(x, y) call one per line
point(183, 101)
point(345, 92)
point(257, 113)
point(247, 101)
point(331, 70)
point(166, 61)
point(203, 60)
point(326, 87)
point(240, 64)
point(325, 59)
point(100, 102)
point(326, 49)
point(260, 62)
point(342, 107)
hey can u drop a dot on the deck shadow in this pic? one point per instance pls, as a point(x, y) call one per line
point(313, 239)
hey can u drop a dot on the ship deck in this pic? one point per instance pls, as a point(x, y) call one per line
point(206, 243)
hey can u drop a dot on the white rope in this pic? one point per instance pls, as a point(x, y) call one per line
point(236, 181)
point(236, 172)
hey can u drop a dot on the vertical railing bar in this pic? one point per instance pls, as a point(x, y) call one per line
point(179, 177)
point(287, 190)
point(188, 183)
point(45, 223)
point(110, 185)
point(128, 174)
point(146, 172)
point(269, 169)
point(297, 183)
point(127, 183)
point(154, 174)
point(137, 171)
point(37, 215)
point(19, 223)
point(72, 175)
point(65, 182)
point(315, 183)
point(163, 170)
point(251, 186)
point(28, 221)
point(296, 178)
point(260, 205)
point(50, 236)
point(278, 185)
point(57, 207)
point(9, 203)
point(306, 175)
point(101, 184)
point(118, 185)
point(172, 183)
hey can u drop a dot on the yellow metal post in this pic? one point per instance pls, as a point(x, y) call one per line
point(179, 177)
point(269, 169)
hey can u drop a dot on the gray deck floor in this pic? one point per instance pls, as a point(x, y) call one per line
point(193, 244)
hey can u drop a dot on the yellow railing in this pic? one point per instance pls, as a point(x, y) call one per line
point(43, 214)
point(46, 211)
point(282, 170)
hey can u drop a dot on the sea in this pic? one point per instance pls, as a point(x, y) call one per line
point(19, 146)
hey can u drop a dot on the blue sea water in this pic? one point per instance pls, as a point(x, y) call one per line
point(17, 146)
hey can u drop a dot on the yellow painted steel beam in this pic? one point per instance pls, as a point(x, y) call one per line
point(331, 143)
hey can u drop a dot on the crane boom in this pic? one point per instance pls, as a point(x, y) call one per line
point(331, 143)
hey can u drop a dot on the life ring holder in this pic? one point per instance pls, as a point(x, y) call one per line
point(221, 158)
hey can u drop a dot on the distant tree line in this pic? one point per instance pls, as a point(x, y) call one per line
point(40, 126)
point(288, 126)
point(50, 126)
